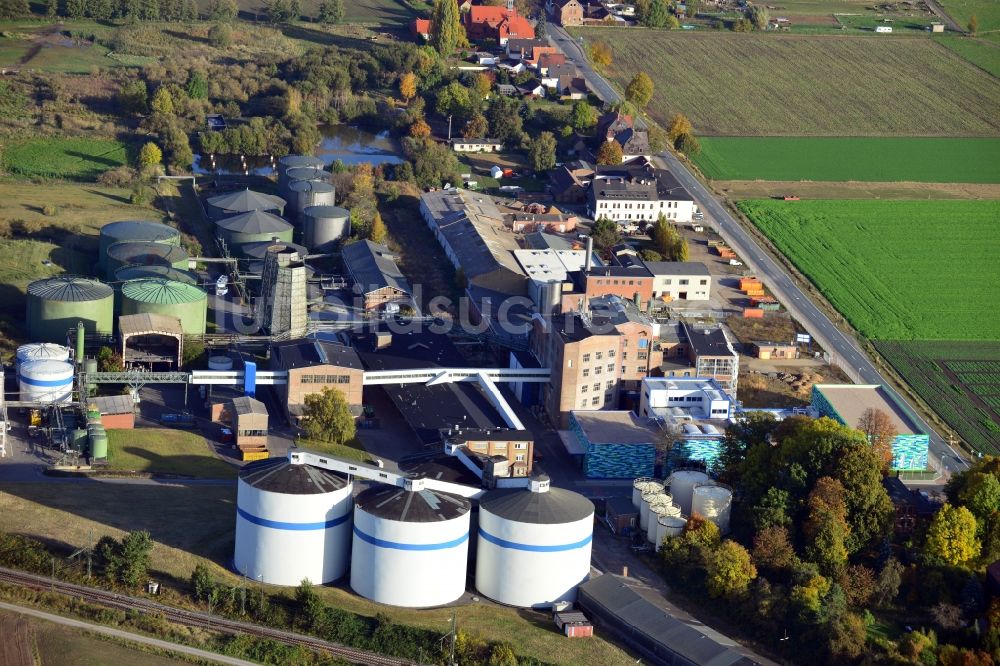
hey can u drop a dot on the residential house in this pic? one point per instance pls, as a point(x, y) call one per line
point(570, 181)
point(313, 365)
point(506, 89)
point(476, 145)
point(376, 276)
point(548, 60)
point(634, 144)
point(550, 79)
point(512, 67)
point(566, 12)
point(910, 506)
point(532, 88)
point(532, 57)
point(485, 22)
point(572, 86)
point(472, 232)
point(521, 49)
point(680, 280)
point(421, 28)
point(638, 191)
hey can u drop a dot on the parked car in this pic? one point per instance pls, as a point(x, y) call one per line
point(735, 262)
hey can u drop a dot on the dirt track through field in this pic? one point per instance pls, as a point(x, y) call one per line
point(15, 641)
point(759, 189)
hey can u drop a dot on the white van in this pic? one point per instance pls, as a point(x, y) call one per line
point(883, 28)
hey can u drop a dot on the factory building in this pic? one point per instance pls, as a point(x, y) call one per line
point(411, 545)
point(694, 414)
point(293, 523)
point(377, 279)
point(613, 445)
point(534, 544)
point(313, 365)
point(515, 446)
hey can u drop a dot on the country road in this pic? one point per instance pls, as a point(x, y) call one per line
point(853, 360)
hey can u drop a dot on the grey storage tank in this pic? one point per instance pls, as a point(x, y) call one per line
point(243, 201)
point(134, 230)
point(56, 304)
point(145, 253)
point(305, 193)
point(252, 227)
point(138, 272)
point(324, 226)
point(293, 161)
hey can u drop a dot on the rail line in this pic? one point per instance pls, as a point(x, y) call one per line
point(195, 618)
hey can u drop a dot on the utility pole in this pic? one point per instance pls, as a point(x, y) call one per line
point(449, 127)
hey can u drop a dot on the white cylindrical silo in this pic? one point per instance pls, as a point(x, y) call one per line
point(682, 483)
point(656, 511)
point(641, 485)
point(46, 381)
point(41, 351)
point(648, 498)
point(411, 545)
point(293, 522)
point(534, 545)
point(668, 526)
point(713, 501)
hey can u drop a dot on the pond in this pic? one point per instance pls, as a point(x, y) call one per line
point(350, 145)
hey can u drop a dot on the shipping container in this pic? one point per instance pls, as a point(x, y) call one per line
point(753, 313)
point(255, 455)
point(771, 307)
point(748, 282)
point(579, 630)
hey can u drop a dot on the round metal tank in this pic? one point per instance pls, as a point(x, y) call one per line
point(41, 351)
point(411, 545)
point(293, 522)
point(243, 201)
point(649, 498)
point(145, 253)
point(97, 436)
point(220, 363)
point(293, 161)
point(159, 296)
point(323, 226)
point(46, 381)
point(668, 526)
point(79, 439)
point(252, 227)
point(134, 230)
point(137, 272)
point(657, 511)
point(641, 485)
point(713, 502)
point(259, 250)
point(534, 544)
point(682, 483)
point(306, 193)
point(57, 304)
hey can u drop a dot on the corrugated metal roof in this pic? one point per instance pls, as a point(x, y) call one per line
point(138, 230)
point(558, 505)
point(70, 288)
point(254, 222)
point(242, 201)
point(140, 251)
point(138, 272)
point(373, 267)
point(149, 322)
point(114, 404)
point(159, 290)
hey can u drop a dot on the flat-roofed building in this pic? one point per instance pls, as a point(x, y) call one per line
point(618, 444)
point(313, 365)
point(712, 355)
point(680, 280)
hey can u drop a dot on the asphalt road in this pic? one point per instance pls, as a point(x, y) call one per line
point(853, 361)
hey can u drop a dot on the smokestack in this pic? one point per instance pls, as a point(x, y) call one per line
point(590, 252)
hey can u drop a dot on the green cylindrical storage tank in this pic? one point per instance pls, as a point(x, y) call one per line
point(98, 443)
point(159, 296)
point(145, 253)
point(137, 272)
point(252, 227)
point(243, 201)
point(79, 439)
point(55, 305)
point(134, 230)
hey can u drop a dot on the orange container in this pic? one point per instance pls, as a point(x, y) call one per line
point(749, 282)
point(753, 313)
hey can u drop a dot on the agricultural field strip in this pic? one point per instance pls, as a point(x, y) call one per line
point(892, 268)
point(841, 159)
point(771, 85)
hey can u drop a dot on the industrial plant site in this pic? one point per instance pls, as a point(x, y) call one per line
point(522, 333)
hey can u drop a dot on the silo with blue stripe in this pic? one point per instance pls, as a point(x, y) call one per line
point(293, 522)
point(533, 545)
point(410, 545)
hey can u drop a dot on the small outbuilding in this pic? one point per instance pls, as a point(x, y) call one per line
point(621, 515)
point(574, 624)
point(249, 421)
point(771, 350)
point(117, 411)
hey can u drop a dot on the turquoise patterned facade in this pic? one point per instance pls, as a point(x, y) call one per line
point(607, 460)
point(909, 451)
point(687, 451)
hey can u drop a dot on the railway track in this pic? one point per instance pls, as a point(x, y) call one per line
point(195, 618)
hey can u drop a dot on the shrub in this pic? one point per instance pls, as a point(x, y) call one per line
point(122, 176)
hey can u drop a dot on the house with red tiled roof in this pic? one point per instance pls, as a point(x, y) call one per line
point(499, 23)
point(421, 28)
point(547, 60)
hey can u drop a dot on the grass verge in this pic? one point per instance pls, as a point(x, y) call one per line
point(165, 451)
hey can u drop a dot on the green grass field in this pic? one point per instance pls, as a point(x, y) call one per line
point(67, 158)
point(786, 85)
point(165, 451)
point(959, 380)
point(350, 451)
point(979, 52)
point(841, 159)
point(987, 11)
point(897, 270)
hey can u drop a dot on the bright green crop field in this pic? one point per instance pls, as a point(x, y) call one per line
point(980, 52)
point(897, 270)
point(890, 159)
point(69, 158)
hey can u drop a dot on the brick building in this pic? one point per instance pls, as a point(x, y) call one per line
point(313, 365)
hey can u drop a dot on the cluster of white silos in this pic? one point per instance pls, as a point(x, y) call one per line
point(409, 546)
point(664, 507)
